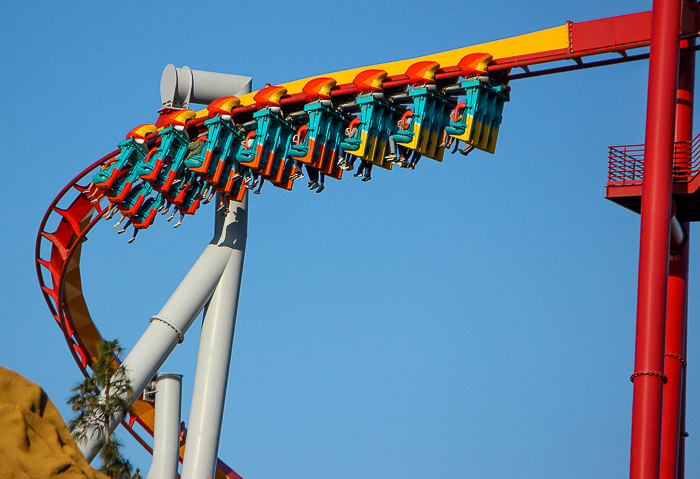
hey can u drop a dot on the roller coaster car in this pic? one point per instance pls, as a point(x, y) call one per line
point(191, 199)
point(430, 115)
point(163, 167)
point(329, 152)
point(236, 190)
point(273, 137)
point(283, 175)
point(131, 152)
point(219, 140)
point(477, 120)
point(134, 199)
point(378, 120)
point(317, 142)
point(146, 214)
point(172, 146)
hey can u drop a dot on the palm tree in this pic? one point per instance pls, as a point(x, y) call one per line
point(96, 400)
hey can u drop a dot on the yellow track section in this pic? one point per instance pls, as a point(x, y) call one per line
point(556, 38)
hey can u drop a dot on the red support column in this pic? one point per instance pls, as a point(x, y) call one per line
point(674, 367)
point(654, 242)
point(677, 302)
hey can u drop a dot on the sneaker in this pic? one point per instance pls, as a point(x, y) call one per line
point(133, 238)
point(366, 178)
point(313, 185)
point(390, 157)
point(256, 192)
point(357, 175)
point(320, 189)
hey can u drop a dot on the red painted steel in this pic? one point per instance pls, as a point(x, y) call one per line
point(655, 241)
point(626, 163)
point(674, 366)
point(677, 301)
point(611, 33)
point(604, 35)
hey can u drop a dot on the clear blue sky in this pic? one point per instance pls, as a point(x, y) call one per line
point(470, 319)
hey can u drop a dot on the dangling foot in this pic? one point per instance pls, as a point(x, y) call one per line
point(313, 185)
point(179, 222)
point(123, 229)
point(321, 188)
point(366, 178)
point(131, 240)
point(117, 224)
point(166, 209)
point(467, 150)
point(172, 215)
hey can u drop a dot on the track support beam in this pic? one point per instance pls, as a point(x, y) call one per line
point(672, 439)
point(213, 362)
point(167, 329)
point(166, 429)
point(655, 241)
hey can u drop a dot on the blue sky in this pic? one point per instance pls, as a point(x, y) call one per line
point(473, 318)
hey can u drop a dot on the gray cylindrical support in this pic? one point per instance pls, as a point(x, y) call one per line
point(181, 86)
point(166, 427)
point(169, 326)
point(677, 233)
point(213, 360)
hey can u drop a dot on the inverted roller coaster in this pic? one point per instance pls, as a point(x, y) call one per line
point(410, 107)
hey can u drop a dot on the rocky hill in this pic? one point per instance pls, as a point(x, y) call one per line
point(34, 440)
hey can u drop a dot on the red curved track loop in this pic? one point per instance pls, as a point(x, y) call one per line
point(63, 292)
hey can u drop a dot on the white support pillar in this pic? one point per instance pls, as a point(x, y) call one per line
point(213, 361)
point(166, 428)
point(168, 327)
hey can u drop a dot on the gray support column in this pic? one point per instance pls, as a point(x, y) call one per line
point(169, 326)
point(166, 428)
point(213, 361)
